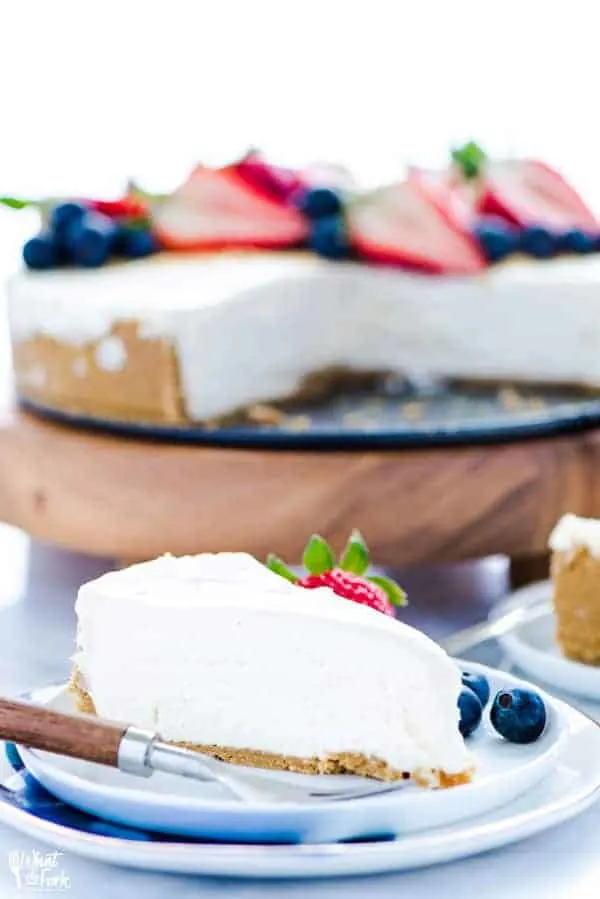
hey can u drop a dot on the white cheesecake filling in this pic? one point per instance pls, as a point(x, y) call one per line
point(216, 649)
point(572, 533)
point(249, 327)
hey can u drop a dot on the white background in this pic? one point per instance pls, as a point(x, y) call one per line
point(93, 92)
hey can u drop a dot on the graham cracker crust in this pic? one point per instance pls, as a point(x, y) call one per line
point(335, 763)
point(143, 385)
point(576, 596)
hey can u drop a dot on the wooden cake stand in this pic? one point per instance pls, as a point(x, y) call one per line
point(133, 499)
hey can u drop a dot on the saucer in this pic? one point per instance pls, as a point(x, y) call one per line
point(532, 646)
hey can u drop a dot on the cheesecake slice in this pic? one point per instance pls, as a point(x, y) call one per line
point(575, 568)
point(219, 654)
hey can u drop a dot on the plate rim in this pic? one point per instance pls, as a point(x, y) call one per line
point(322, 860)
point(517, 648)
point(551, 752)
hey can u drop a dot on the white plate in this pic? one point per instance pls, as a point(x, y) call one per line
point(174, 805)
point(571, 787)
point(533, 647)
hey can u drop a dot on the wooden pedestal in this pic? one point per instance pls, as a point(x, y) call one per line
point(132, 499)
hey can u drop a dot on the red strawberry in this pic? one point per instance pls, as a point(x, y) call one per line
point(346, 578)
point(350, 586)
point(276, 183)
point(527, 192)
point(217, 209)
point(126, 207)
point(401, 225)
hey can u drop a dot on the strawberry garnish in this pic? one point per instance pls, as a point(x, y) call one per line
point(527, 192)
point(124, 208)
point(524, 192)
point(347, 578)
point(218, 209)
point(402, 225)
point(275, 182)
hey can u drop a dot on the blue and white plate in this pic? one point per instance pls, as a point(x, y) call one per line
point(533, 647)
point(565, 787)
point(175, 805)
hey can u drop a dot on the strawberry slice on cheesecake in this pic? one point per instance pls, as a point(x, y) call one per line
point(406, 224)
point(220, 209)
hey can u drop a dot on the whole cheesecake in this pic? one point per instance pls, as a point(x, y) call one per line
point(270, 286)
point(220, 654)
point(202, 337)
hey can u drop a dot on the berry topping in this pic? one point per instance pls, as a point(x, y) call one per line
point(539, 242)
point(328, 238)
point(470, 710)
point(218, 209)
point(347, 578)
point(125, 208)
point(319, 202)
point(497, 238)
point(135, 243)
point(401, 225)
point(352, 587)
point(527, 192)
point(273, 181)
point(479, 684)
point(90, 242)
point(578, 241)
point(41, 252)
point(518, 715)
point(65, 215)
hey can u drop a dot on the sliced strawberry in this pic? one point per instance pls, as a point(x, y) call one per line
point(400, 225)
point(527, 192)
point(126, 207)
point(456, 199)
point(217, 209)
point(275, 182)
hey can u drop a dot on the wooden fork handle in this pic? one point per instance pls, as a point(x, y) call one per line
point(79, 737)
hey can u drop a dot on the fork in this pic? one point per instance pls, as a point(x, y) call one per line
point(141, 752)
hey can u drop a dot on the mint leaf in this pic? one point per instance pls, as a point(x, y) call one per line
point(355, 557)
point(469, 158)
point(394, 592)
point(318, 556)
point(15, 203)
point(274, 563)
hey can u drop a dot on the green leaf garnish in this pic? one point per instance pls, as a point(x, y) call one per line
point(394, 592)
point(274, 563)
point(318, 556)
point(16, 203)
point(355, 557)
point(470, 159)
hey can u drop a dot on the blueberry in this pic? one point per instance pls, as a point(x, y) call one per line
point(470, 712)
point(134, 243)
point(328, 238)
point(578, 241)
point(66, 214)
point(91, 241)
point(518, 715)
point(497, 238)
point(42, 252)
point(478, 683)
point(539, 242)
point(319, 202)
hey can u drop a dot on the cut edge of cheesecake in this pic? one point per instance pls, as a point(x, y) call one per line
point(575, 573)
point(334, 763)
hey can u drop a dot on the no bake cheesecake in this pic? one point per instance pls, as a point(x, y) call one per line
point(220, 654)
point(271, 284)
point(575, 567)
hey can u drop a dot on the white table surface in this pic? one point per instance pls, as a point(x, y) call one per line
point(37, 588)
